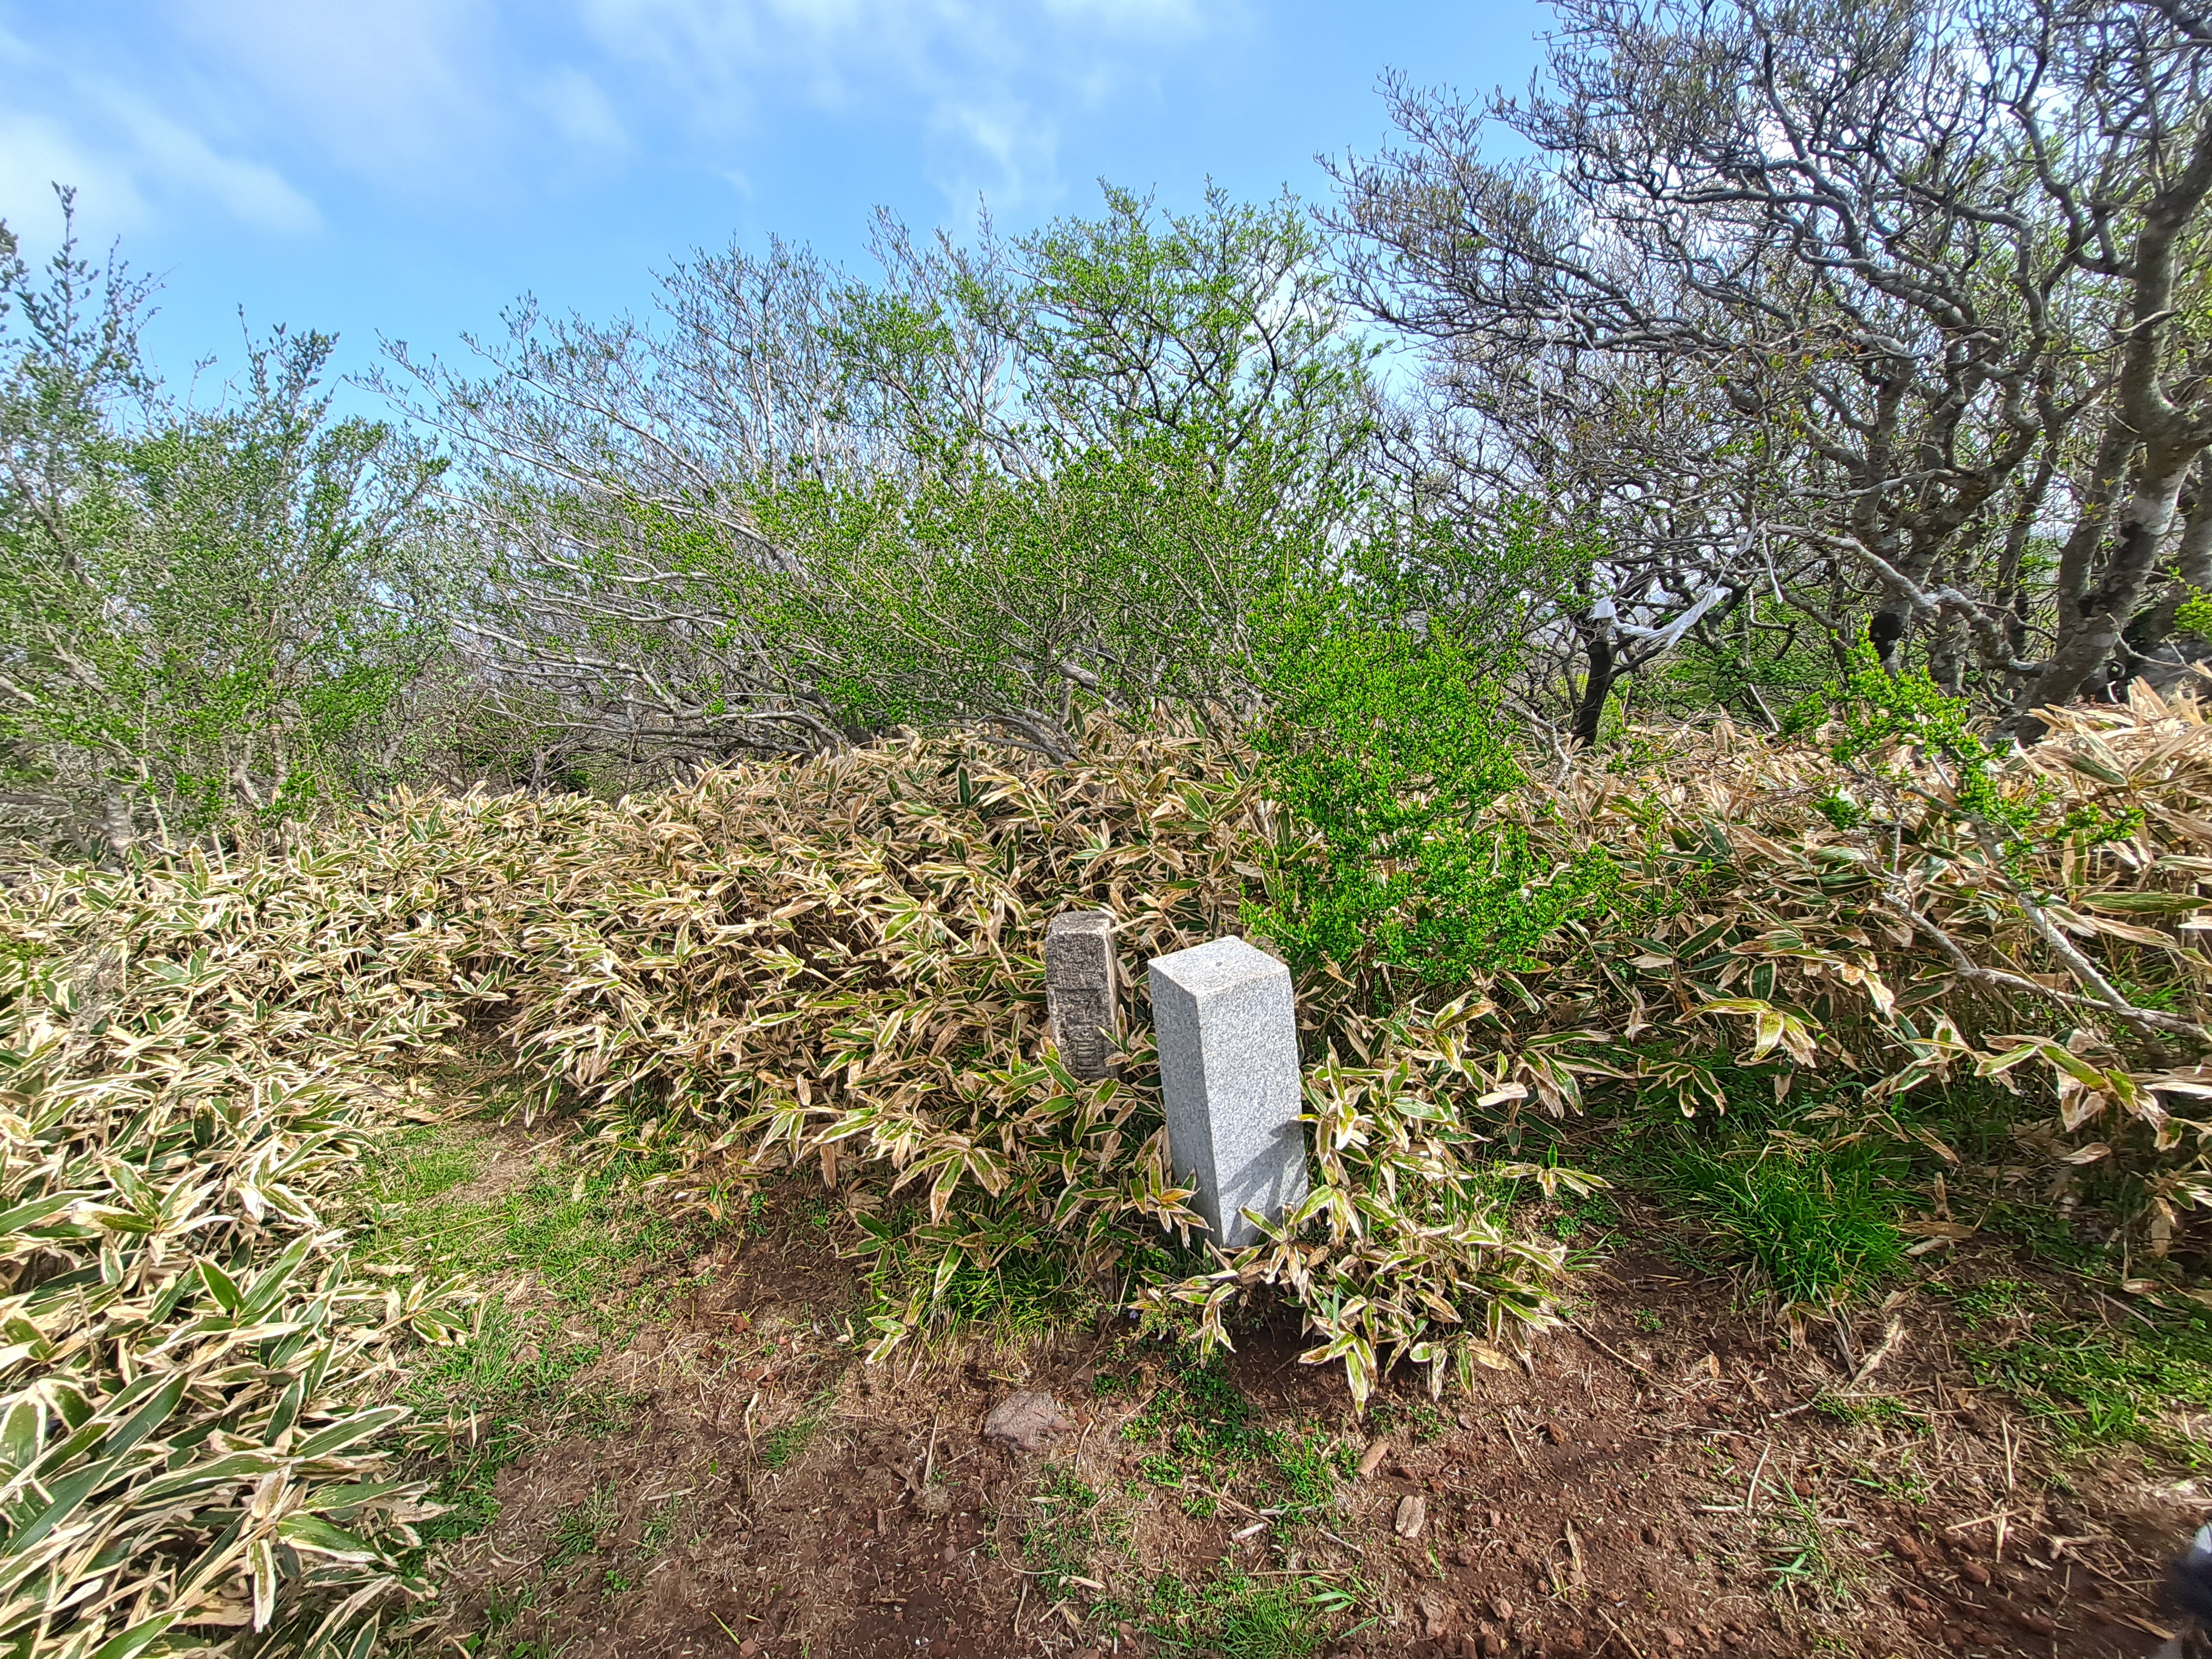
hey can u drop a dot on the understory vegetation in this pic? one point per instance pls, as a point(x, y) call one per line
point(1686, 643)
point(830, 967)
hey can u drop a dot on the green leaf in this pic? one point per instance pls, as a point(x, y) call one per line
point(348, 1432)
point(319, 1537)
point(221, 1286)
point(136, 1640)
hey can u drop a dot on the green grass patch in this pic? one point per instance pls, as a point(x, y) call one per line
point(1202, 1436)
point(1804, 1568)
point(576, 1533)
point(419, 1166)
point(1583, 1219)
point(1311, 1465)
point(1819, 1224)
point(2095, 1387)
point(576, 1234)
point(782, 1444)
point(662, 1525)
point(474, 1402)
point(500, 1637)
point(1059, 1541)
point(1418, 1420)
point(575, 1229)
point(2045, 1235)
point(1884, 1409)
point(1989, 1299)
point(1238, 1616)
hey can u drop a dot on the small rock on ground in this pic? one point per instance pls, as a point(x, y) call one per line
point(1025, 1421)
point(1412, 1512)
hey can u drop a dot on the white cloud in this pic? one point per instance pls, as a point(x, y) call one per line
point(225, 103)
point(705, 53)
point(395, 91)
point(988, 78)
point(125, 155)
point(253, 193)
point(36, 154)
point(1150, 18)
point(236, 104)
point(572, 100)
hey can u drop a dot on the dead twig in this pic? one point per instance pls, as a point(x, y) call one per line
point(1750, 1496)
point(1591, 1337)
point(1515, 1442)
point(1892, 1339)
point(2107, 1001)
point(1621, 1635)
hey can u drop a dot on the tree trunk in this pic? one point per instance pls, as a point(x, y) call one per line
point(2099, 615)
point(1597, 684)
point(2164, 441)
point(117, 825)
point(1946, 656)
point(2192, 566)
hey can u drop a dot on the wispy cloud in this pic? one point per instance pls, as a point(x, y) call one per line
point(252, 107)
point(580, 111)
point(36, 154)
point(250, 191)
point(125, 154)
point(1149, 20)
point(397, 91)
point(986, 82)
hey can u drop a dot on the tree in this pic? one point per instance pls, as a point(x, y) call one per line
point(204, 612)
point(998, 483)
point(1925, 279)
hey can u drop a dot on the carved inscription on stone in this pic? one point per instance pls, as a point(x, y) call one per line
point(1082, 990)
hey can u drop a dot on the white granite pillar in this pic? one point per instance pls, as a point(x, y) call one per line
point(1228, 1033)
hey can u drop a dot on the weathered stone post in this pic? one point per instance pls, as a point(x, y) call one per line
point(1228, 1033)
point(1082, 989)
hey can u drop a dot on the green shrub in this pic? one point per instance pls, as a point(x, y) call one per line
point(1384, 752)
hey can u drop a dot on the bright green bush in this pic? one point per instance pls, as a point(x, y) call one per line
point(207, 613)
point(1383, 753)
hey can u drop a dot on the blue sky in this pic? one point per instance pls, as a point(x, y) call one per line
point(409, 167)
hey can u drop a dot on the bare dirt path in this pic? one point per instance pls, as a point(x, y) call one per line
point(1664, 1477)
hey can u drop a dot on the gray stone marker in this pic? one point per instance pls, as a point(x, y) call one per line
point(1082, 989)
point(1228, 1035)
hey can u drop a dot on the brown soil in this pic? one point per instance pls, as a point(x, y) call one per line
point(1638, 1490)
